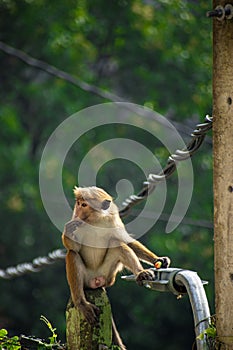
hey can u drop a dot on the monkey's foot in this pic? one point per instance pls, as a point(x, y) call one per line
point(90, 312)
point(145, 275)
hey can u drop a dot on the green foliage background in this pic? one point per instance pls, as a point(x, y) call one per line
point(153, 53)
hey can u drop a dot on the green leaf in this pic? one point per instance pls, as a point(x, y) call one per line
point(211, 332)
point(201, 336)
point(3, 333)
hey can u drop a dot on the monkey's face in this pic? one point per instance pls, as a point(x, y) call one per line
point(92, 204)
point(85, 208)
point(82, 209)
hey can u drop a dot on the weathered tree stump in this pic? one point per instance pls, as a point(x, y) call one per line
point(80, 334)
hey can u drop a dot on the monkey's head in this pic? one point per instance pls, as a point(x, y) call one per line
point(90, 200)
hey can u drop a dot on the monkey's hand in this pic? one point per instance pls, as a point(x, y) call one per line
point(145, 275)
point(90, 312)
point(162, 261)
point(72, 226)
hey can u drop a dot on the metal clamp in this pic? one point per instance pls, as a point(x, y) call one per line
point(180, 281)
point(165, 281)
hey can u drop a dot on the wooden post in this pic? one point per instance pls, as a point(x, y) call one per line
point(80, 334)
point(223, 175)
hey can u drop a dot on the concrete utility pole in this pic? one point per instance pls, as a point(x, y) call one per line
point(223, 168)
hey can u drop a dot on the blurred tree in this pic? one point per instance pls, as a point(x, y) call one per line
point(154, 53)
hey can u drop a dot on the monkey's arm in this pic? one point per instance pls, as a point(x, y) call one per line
point(143, 253)
point(146, 255)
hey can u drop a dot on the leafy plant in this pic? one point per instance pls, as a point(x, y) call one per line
point(13, 343)
point(210, 334)
point(7, 342)
point(53, 338)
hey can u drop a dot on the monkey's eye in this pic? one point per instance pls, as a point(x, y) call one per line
point(78, 202)
point(84, 205)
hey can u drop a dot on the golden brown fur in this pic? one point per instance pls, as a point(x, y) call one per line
point(98, 247)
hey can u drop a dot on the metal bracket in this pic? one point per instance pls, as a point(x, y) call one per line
point(164, 281)
point(180, 281)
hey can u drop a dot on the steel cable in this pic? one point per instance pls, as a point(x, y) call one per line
point(149, 186)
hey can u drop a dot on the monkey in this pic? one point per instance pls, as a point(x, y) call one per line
point(98, 247)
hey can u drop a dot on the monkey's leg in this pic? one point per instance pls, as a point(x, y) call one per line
point(114, 261)
point(129, 259)
point(75, 270)
point(118, 257)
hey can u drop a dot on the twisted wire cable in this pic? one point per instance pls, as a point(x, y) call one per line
point(149, 186)
point(34, 266)
point(153, 180)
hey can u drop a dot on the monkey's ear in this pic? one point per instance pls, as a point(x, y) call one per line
point(105, 204)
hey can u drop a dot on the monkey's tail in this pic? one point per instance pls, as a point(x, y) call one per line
point(116, 337)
